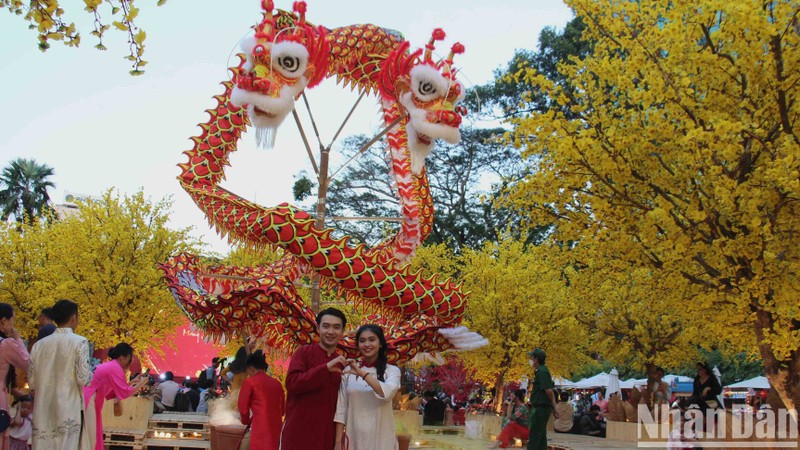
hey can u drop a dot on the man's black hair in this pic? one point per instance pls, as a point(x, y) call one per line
point(332, 312)
point(63, 310)
point(47, 312)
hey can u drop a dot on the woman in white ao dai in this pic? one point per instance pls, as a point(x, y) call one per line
point(364, 417)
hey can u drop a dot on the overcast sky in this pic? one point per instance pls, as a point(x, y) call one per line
point(78, 110)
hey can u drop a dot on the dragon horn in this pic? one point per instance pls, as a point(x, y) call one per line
point(266, 29)
point(437, 35)
point(300, 8)
point(457, 49)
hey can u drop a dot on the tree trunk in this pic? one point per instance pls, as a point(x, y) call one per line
point(783, 373)
point(499, 391)
point(647, 395)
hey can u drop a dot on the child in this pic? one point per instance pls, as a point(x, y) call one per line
point(22, 425)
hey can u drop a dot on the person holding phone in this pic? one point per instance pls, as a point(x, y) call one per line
point(109, 383)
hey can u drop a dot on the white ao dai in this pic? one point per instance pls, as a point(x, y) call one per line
point(368, 418)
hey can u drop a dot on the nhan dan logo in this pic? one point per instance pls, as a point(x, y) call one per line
point(709, 428)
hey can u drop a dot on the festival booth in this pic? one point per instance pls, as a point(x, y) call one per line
point(626, 430)
point(752, 383)
point(735, 395)
point(563, 383)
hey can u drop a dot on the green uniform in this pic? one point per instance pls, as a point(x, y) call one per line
point(541, 408)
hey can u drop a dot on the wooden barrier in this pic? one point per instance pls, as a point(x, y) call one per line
point(136, 413)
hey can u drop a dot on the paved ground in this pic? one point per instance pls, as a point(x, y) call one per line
point(557, 442)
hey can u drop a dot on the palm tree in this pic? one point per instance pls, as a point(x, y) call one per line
point(23, 190)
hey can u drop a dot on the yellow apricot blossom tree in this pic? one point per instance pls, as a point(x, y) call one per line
point(640, 317)
point(25, 281)
point(47, 17)
point(106, 259)
point(517, 301)
point(681, 153)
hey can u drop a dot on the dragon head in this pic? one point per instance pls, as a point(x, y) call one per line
point(429, 93)
point(282, 58)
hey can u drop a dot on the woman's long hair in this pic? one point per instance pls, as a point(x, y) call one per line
point(380, 364)
point(7, 312)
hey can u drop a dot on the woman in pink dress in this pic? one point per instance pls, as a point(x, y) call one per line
point(13, 355)
point(109, 383)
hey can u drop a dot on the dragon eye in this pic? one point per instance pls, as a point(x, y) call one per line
point(290, 59)
point(289, 63)
point(426, 88)
point(427, 83)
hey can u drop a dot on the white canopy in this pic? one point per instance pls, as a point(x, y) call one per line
point(597, 381)
point(563, 383)
point(601, 380)
point(630, 383)
point(752, 383)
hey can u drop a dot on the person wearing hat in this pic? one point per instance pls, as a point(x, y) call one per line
point(543, 402)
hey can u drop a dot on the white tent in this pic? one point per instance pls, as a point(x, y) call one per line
point(752, 383)
point(597, 381)
point(563, 383)
point(601, 380)
point(630, 383)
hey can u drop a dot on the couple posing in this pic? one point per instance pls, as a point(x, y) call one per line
point(336, 403)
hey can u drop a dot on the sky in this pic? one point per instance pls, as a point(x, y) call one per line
point(78, 110)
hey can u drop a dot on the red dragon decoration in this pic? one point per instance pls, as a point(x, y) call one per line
point(419, 99)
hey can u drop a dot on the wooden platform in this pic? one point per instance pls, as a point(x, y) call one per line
point(175, 444)
point(179, 421)
point(123, 439)
point(190, 427)
point(558, 442)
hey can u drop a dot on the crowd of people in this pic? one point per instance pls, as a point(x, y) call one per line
point(587, 413)
point(62, 408)
point(347, 402)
